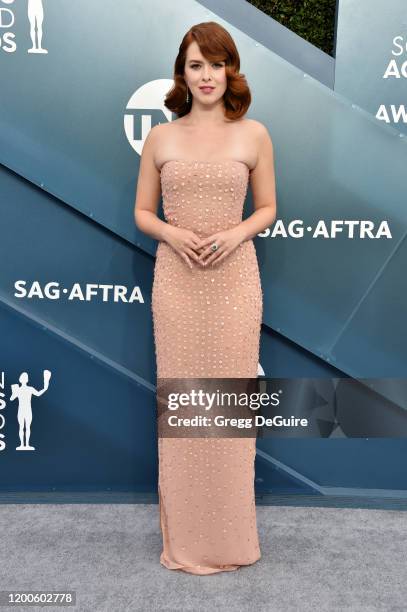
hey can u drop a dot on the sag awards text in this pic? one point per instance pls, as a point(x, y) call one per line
point(396, 69)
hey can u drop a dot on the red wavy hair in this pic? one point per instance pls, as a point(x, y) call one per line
point(215, 44)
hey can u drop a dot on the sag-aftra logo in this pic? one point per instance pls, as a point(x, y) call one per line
point(21, 394)
point(35, 15)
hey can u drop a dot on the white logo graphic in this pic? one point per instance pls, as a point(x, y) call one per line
point(146, 109)
point(35, 13)
point(24, 394)
point(36, 17)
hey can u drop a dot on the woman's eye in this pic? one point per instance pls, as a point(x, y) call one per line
point(198, 65)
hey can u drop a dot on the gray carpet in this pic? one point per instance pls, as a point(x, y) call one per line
point(312, 558)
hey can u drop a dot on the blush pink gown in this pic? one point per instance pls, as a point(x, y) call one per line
point(206, 324)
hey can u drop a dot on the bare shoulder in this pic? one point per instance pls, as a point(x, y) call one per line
point(162, 133)
point(158, 131)
point(257, 129)
point(157, 138)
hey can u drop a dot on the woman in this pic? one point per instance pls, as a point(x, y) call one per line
point(207, 296)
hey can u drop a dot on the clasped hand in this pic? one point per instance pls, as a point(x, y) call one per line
point(190, 247)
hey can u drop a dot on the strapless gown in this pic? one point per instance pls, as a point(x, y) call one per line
point(206, 324)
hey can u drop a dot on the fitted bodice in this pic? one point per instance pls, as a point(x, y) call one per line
point(204, 196)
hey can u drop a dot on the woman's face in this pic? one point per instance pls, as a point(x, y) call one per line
point(200, 72)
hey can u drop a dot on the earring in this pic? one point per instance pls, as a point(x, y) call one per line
point(187, 95)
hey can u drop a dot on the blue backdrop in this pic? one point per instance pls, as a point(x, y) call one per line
point(72, 128)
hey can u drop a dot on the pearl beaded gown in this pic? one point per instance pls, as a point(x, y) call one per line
point(206, 324)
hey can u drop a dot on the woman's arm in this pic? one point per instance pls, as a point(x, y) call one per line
point(184, 241)
point(263, 185)
point(148, 191)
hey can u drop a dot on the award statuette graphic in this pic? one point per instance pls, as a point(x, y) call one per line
point(24, 394)
point(36, 17)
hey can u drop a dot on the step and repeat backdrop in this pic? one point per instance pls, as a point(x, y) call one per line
point(83, 83)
